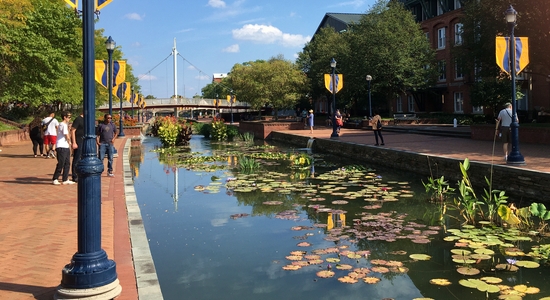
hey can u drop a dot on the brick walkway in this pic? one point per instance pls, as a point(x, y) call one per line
point(38, 225)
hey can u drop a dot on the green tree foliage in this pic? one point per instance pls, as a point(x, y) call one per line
point(387, 44)
point(482, 22)
point(44, 45)
point(390, 46)
point(218, 90)
point(276, 82)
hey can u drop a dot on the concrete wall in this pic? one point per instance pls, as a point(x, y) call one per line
point(263, 130)
point(518, 183)
point(531, 135)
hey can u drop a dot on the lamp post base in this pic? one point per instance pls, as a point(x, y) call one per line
point(515, 159)
point(109, 291)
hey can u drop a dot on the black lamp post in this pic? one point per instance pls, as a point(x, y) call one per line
point(90, 274)
point(369, 78)
point(133, 98)
point(121, 132)
point(231, 100)
point(333, 90)
point(110, 45)
point(515, 157)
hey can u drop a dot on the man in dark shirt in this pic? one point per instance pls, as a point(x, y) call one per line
point(106, 135)
point(77, 136)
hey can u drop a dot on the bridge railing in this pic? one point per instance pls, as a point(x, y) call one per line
point(197, 102)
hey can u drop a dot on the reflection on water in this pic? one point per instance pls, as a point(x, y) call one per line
point(213, 242)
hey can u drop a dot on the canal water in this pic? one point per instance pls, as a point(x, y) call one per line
point(315, 233)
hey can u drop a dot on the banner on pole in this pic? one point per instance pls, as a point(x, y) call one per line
point(102, 75)
point(99, 4)
point(339, 82)
point(72, 3)
point(503, 53)
point(122, 91)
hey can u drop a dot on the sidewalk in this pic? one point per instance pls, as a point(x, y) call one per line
point(38, 225)
point(537, 157)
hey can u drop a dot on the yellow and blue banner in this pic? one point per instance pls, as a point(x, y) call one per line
point(101, 72)
point(99, 4)
point(123, 91)
point(231, 98)
point(72, 3)
point(503, 53)
point(338, 81)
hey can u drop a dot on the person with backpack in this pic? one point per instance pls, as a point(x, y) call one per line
point(376, 123)
point(49, 126)
point(106, 135)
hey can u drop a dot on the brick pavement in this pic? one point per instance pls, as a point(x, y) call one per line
point(537, 157)
point(38, 225)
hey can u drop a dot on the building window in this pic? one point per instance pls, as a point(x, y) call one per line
point(399, 104)
point(458, 4)
point(458, 34)
point(441, 38)
point(410, 103)
point(458, 70)
point(458, 102)
point(442, 70)
point(439, 8)
point(477, 109)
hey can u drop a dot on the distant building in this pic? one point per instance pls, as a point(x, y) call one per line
point(217, 77)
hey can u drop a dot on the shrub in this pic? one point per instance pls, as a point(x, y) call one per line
point(219, 130)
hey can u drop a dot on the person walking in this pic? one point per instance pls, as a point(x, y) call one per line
point(339, 120)
point(37, 136)
point(106, 135)
point(310, 120)
point(376, 123)
point(77, 137)
point(50, 134)
point(63, 144)
point(505, 120)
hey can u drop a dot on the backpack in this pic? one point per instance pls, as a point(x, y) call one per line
point(45, 126)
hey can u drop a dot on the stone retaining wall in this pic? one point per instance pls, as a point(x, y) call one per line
point(519, 183)
point(263, 130)
point(13, 136)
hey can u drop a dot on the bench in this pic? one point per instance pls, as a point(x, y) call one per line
point(404, 117)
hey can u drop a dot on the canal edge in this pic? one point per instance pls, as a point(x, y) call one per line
point(146, 275)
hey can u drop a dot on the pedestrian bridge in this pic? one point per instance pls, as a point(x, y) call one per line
point(179, 105)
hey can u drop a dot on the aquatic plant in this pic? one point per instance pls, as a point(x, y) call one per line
point(248, 164)
point(247, 137)
point(172, 132)
point(539, 210)
point(467, 202)
point(300, 160)
point(438, 189)
point(218, 130)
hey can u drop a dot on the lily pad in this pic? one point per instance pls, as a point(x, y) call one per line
point(440, 281)
point(371, 280)
point(527, 264)
point(325, 274)
point(468, 271)
point(420, 256)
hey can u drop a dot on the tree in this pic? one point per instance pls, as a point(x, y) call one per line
point(276, 82)
point(315, 59)
point(42, 51)
point(390, 46)
point(482, 22)
point(217, 90)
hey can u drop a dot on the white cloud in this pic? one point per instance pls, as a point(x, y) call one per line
point(203, 77)
point(216, 3)
point(133, 16)
point(147, 77)
point(267, 34)
point(232, 49)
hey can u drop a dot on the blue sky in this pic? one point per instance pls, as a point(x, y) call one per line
point(212, 35)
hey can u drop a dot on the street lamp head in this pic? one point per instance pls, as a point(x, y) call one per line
point(333, 63)
point(110, 44)
point(369, 78)
point(511, 15)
